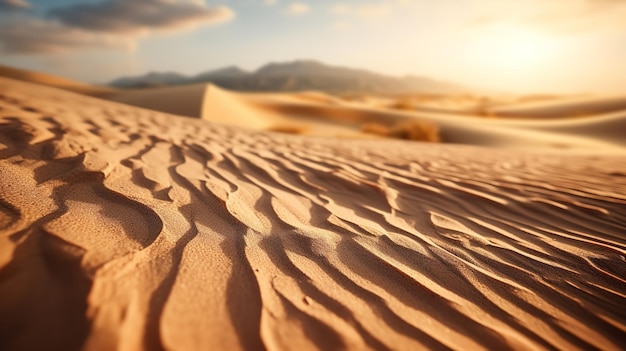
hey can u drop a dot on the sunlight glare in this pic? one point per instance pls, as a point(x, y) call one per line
point(512, 48)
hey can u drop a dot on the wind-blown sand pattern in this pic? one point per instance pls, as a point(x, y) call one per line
point(321, 115)
point(128, 229)
point(54, 81)
point(560, 108)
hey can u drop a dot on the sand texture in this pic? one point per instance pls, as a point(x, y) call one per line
point(55, 81)
point(127, 229)
point(563, 108)
point(318, 114)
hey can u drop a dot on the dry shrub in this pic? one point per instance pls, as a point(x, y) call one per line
point(287, 129)
point(376, 129)
point(415, 130)
point(406, 104)
point(409, 130)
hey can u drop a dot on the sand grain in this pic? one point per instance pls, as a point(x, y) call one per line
point(131, 229)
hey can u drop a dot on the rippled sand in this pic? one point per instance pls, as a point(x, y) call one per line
point(130, 229)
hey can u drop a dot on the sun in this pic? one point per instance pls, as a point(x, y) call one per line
point(512, 48)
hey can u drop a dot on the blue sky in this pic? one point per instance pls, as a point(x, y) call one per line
point(561, 46)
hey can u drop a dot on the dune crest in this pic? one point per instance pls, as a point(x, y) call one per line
point(55, 81)
point(562, 108)
point(131, 229)
point(319, 114)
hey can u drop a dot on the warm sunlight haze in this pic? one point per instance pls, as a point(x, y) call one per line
point(513, 48)
point(564, 46)
point(280, 175)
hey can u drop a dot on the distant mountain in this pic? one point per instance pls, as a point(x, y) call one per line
point(307, 67)
point(151, 79)
point(298, 76)
point(222, 73)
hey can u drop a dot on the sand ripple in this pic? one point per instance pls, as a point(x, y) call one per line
point(130, 229)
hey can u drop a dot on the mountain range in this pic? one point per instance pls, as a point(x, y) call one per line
point(298, 75)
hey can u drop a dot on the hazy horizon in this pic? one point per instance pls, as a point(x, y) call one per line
point(554, 46)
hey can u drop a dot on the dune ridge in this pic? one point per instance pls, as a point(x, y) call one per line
point(55, 81)
point(563, 107)
point(323, 115)
point(132, 229)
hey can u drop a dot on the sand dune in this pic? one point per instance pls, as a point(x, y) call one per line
point(184, 100)
point(201, 100)
point(562, 108)
point(55, 81)
point(604, 132)
point(123, 228)
point(528, 107)
point(318, 114)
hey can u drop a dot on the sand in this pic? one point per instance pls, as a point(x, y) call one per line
point(581, 106)
point(317, 114)
point(124, 228)
point(55, 81)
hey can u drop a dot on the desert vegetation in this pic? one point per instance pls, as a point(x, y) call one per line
point(288, 129)
point(407, 130)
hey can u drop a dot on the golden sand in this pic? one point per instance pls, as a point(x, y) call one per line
point(129, 229)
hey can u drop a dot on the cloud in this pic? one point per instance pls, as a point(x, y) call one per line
point(37, 36)
point(270, 2)
point(112, 24)
point(298, 8)
point(14, 5)
point(140, 16)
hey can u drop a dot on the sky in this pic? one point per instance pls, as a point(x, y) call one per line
point(520, 46)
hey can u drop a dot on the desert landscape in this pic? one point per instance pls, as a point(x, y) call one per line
point(127, 228)
point(391, 175)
